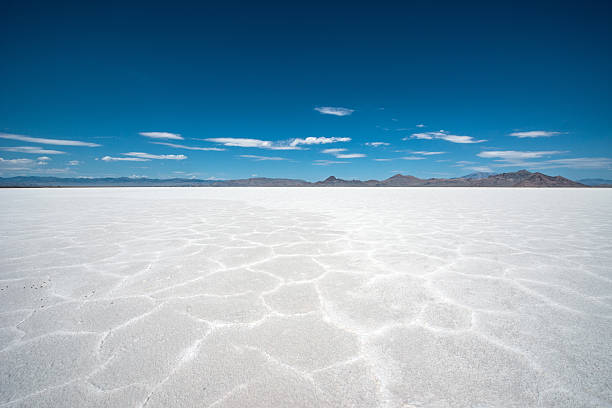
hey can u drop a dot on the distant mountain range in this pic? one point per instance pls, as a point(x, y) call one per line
point(596, 182)
point(522, 178)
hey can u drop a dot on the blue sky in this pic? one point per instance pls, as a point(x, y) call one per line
point(305, 91)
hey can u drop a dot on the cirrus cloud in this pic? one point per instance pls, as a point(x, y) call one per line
point(333, 110)
point(59, 142)
point(339, 153)
point(156, 156)
point(161, 135)
point(444, 135)
point(327, 162)
point(534, 133)
point(179, 146)
point(246, 142)
point(261, 158)
point(515, 155)
point(426, 153)
point(290, 144)
point(30, 150)
point(318, 140)
point(131, 159)
point(16, 161)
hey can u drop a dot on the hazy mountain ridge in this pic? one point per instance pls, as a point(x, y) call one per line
point(521, 178)
point(596, 182)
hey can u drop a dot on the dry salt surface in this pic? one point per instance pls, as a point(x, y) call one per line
point(291, 297)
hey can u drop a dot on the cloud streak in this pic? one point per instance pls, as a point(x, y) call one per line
point(156, 156)
point(318, 140)
point(161, 135)
point(480, 169)
point(578, 163)
point(179, 146)
point(257, 143)
point(59, 142)
point(291, 144)
point(332, 110)
point(534, 133)
point(339, 153)
point(377, 144)
point(327, 162)
point(510, 155)
point(30, 150)
point(444, 135)
point(129, 159)
point(261, 158)
point(423, 153)
point(141, 157)
point(16, 161)
point(513, 158)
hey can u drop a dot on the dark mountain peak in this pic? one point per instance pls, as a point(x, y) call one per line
point(542, 180)
point(402, 177)
point(336, 182)
point(399, 180)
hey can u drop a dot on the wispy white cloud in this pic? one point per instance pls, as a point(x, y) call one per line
point(156, 156)
point(336, 111)
point(444, 135)
point(59, 142)
point(261, 158)
point(377, 144)
point(578, 163)
point(245, 142)
point(426, 153)
point(131, 159)
point(328, 162)
point(16, 161)
point(534, 133)
point(318, 140)
point(30, 150)
point(290, 144)
point(340, 155)
point(383, 160)
point(179, 146)
point(350, 155)
point(74, 163)
point(515, 155)
point(480, 169)
point(333, 151)
point(420, 125)
point(512, 158)
point(23, 164)
point(419, 157)
point(161, 135)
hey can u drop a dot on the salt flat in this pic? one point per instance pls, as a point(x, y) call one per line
point(306, 297)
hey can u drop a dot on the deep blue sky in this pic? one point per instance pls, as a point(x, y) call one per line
point(105, 72)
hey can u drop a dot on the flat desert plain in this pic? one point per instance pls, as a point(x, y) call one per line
point(306, 297)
